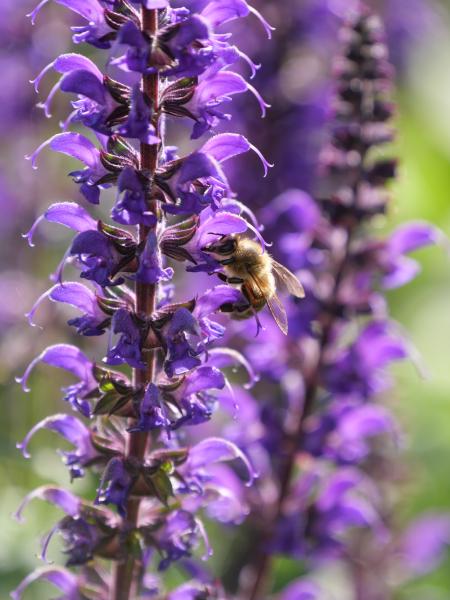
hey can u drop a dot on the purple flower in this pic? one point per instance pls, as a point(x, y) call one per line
point(69, 214)
point(63, 579)
point(150, 270)
point(215, 88)
point(178, 537)
point(152, 414)
point(128, 348)
point(92, 322)
point(131, 207)
point(205, 167)
point(182, 349)
point(81, 148)
point(138, 124)
point(425, 541)
point(115, 485)
point(61, 498)
point(100, 258)
point(73, 430)
point(95, 32)
point(73, 360)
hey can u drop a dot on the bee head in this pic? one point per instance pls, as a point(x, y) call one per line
point(225, 246)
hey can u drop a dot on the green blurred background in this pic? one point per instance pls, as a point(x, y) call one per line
point(422, 405)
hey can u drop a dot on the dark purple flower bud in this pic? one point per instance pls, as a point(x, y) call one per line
point(73, 360)
point(138, 51)
point(92, 322)
point(138, 124)
point(152, 414)
point(128, 348)
point(149, 269)
point(182, 354)
point(75, 432)
point(131, 208)
point(61, 578)
point(115, 485)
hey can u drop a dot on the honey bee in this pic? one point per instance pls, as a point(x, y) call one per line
point(258, 275)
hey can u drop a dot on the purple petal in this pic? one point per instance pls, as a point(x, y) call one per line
point(66, 581)
point(213, 299)
point(73, 144)
point(65, 63)
point(425, 541)
point(203, 378)
point(227, 357)
point(227, 145)
point(69, 427)
point(214, 450)
point(71, 292)
point(63, 356)
point(68, 214)
point(61, 498)
point(300, 590)
point(86, 84)
point(402, 271)
point(412, 236)
point(91, 10)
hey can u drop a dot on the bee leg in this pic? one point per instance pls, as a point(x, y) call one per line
point(232, 280)
point(228, 307)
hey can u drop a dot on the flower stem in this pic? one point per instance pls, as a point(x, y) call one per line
point(146, 295)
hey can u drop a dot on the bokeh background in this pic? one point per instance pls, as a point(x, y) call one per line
point(295, 79)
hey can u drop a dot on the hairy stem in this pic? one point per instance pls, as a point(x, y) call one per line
point(123, 583)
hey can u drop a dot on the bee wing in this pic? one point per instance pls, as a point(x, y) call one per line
point(278, 313)
point(287, 279)
point(275, 306)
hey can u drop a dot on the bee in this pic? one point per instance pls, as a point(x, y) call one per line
point(258, 275)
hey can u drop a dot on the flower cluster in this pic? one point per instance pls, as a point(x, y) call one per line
point(170, 63)
point(319, 435)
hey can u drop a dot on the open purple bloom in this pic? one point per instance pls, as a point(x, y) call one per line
point(61, 578)
point(73, 360)
point(75, 432)
point(215, 88)
point(92, 322)
point(178, 537)
point(424, 542)
point(95, 32)
point(98, 257)
point(68, 214)
point(80, 147)
point(67, 502)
